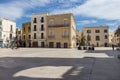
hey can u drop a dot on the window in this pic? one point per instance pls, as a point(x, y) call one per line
point(97, 44)
point(51, 23)
point(0, 35)
point(88, 37)
point(88, 31)
point(10, 36)
point(105, 31)
point(11, 27)
point(65, 45)
point(42, 35)
point(35, 20)
point(42, 27)
point(106, 37)
point(51, 35)
point(65, 22)
point(42, 19)
point(29, 29)
point(29, 36)
point(35, 29)
point(24, 37)
point(97, 31)
point(23, 29)
point(97, 38)
point(34, 35)
point(0, 28)
point(65, 34)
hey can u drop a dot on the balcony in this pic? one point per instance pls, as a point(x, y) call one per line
point(51, 36)
point(61, 25)
point(65, 36)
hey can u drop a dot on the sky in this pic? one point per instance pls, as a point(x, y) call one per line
point(86, 12)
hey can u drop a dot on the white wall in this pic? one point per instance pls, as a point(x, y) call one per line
point(6, 27)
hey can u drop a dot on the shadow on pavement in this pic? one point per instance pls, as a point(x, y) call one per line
point(107, 52)
point(87, 68)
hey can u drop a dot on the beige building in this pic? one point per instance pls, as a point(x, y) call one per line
point(38, 30)
point(97, 36)
point(117, 36)
point(61, 31)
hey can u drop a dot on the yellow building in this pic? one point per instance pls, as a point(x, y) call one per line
point(61, 31)
point(26, 34)
point(97, 35)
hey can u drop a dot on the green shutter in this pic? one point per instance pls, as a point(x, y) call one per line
point(0, 35)
point(0, 22)
point(1, 43)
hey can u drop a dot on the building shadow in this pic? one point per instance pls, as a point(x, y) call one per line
point(81, 68)
point(107, 52)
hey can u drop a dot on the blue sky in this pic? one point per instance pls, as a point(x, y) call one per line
point(86, 12)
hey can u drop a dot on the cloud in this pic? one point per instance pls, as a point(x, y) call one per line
point(113, 25)
point(102, 9)
point(16, 9)
point(85, 22)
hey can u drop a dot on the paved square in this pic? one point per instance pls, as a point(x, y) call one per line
point(59, 64)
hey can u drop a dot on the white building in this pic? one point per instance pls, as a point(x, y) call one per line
point(38, 30)
point(7, 31)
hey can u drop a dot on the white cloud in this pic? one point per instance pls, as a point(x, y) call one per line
point(15, 9)
point(84, 22)
point(102, 9)
point(113, 25)
point(68, 1)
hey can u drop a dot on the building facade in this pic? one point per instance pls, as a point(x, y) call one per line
point(111, 38)
point(117, 36)
point(26, 34)
point(18, 33)
point(97, 36)
point(7, 31)
point(61, 31)
point(38, 30)
point(78, 37)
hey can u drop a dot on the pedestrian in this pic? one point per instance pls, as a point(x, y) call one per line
point(18, 44)
point(93, 48)
point(113, 47)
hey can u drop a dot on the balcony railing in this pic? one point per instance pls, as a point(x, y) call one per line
point(65, 36)
point(51, 37)
point(61, 25)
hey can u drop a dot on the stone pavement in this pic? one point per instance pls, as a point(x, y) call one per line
point(59, 64)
